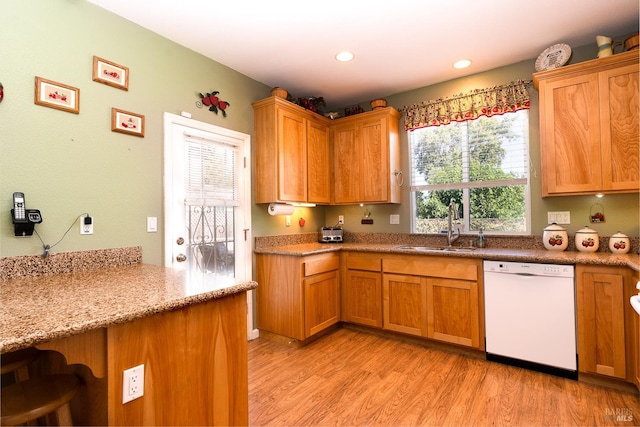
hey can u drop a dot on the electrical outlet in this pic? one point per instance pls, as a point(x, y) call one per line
point(340, 219)
point(86, 225)
point(132, 383)
point(287, 221)
point(394, 219)
point(563, 217)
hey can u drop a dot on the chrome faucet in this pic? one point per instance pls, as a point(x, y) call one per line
point(453, 215)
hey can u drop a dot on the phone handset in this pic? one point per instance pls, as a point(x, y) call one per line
point(19, 211)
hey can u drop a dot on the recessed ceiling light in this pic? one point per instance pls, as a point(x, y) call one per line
point(344, 56)
point(463, 63)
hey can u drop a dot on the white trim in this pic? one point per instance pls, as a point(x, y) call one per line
point(243, 248)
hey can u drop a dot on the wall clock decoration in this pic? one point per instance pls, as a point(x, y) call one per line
point(213, 102)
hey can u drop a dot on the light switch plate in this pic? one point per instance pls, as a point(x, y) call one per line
point(394, 219)
point(152, 224)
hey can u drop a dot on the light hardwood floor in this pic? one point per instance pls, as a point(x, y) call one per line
point(356, 378)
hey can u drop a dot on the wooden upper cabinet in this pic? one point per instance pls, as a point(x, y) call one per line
point(619, 124)
point(318, 163)
point(292, 153)
point(366, 158)
point(589, 127)
point(292, 156)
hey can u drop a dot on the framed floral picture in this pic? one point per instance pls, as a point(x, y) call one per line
point(57, 95)
point(127, 122)
point(110, 73)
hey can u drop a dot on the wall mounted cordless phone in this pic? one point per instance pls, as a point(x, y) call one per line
point(19, 212)
point(23, 219)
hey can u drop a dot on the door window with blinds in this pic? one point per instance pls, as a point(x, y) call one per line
point(211, 196)
point(482, 165)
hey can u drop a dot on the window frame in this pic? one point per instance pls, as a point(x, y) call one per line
point(465, 187)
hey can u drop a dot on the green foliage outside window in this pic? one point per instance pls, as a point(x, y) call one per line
point(482, 163)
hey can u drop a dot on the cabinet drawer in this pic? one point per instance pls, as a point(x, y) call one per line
point(320, 264)
point(459, 268)
point(364, 262)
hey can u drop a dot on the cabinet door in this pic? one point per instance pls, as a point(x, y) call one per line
point(318, 163)
point(405, 304)
point(636, 347)
point(346, 169)
point(619, 124)
point(374, 167)
point(453, 311)
point(280, 299)
point(363, 298)
point(600, 303)
point(292, 156)
point(321, 302)
point(570, 135)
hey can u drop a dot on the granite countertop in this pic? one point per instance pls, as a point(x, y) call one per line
point(499, 254)
point(50, 307)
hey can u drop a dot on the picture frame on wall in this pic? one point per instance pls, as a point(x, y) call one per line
point(127, 122)
point(57, 95)
point(110, 73)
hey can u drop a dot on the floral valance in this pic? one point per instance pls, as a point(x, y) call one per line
point(468, 106)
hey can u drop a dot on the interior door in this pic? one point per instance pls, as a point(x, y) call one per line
point(207, 196)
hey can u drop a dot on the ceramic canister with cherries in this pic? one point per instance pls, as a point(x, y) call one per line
point(555, 238)
point(587, 240)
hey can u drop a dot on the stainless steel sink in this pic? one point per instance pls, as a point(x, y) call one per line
point(436, 248)
point(460, 249)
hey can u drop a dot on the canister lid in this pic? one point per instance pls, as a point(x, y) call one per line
point(619, 235)
point(586, 230)
point(554, 227)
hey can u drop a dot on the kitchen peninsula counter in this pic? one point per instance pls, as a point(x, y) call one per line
point(49, 307)
point(189, 333)
point(498, 254)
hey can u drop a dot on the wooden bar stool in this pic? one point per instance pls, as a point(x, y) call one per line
point(28, 400)
point(18, 362)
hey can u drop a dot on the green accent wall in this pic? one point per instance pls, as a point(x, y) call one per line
point(621, 211)
point(68, 164)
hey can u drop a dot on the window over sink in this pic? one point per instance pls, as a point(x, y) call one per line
point(482, 165)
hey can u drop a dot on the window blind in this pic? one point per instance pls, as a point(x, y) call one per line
point(210, 173)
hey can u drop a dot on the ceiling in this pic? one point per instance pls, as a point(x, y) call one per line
point(398, 46)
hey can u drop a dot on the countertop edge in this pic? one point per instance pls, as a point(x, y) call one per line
point(497, 254)
point(11, 341)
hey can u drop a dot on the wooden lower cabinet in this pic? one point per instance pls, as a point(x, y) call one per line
point(362, 290)
point(297, 297)
point(405, 304)
point(321, 302)
point(453, 311)
point(601, 320)
point(636, 348)
point(434, 297)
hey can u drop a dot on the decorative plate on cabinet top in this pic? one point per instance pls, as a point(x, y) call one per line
point(553, 57)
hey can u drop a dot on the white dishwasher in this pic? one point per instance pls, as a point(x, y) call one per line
point(530, 318)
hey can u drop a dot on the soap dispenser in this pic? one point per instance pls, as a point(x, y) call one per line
point(481, 239)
